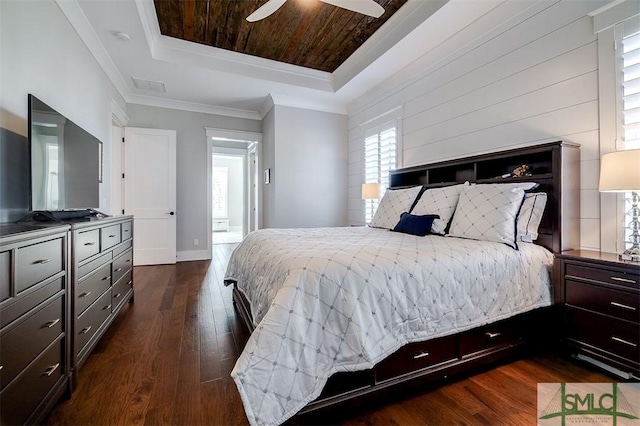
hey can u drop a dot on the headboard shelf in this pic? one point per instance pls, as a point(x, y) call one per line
point(555, 166)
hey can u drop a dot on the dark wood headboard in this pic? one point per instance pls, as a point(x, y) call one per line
point(555, 167)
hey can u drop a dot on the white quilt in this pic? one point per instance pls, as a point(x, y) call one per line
point(327, 300)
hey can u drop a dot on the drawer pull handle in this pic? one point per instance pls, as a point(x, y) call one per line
point(42, 262)
point(85, 330)
point(620, 305)
point(491, 335)
point(49, 371)
point(624, 280)
point(1, 367)
point(421, 355)
point(106, 278)
point(128, 260)
point(115, 296)
point(111, 236)
point(85, 294)
point(617, 339)
point(118, 270)
point(52, 323)
point(92, 243)
point(106, 307)
point(130, 282)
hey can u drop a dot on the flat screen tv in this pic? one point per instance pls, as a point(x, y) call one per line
point(65, 162)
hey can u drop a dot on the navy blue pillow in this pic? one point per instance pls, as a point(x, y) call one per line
point(415, 225)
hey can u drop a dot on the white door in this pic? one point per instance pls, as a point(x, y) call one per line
point(253, 194)
point(150, 193)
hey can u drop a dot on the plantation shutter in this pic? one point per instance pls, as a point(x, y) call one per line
point(379, 160)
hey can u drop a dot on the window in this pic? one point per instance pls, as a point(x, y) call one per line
point(379, 159)
point(628, 95)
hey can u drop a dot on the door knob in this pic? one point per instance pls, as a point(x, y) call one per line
point(171, 213)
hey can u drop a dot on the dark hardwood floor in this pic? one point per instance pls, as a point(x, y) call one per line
point(167, 359)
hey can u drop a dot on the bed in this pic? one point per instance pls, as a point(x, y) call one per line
point(339, 314)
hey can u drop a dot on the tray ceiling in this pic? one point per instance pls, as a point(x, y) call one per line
point(307, 33)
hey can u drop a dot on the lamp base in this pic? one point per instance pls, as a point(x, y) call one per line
point(632, 254)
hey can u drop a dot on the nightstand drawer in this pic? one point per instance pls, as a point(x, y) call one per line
point(416, 356)
point(603, 275)
point(619, 304)
point(617, 337)
point(5, 275)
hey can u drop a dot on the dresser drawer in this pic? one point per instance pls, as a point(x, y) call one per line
point(127, 230)
point(416, 356)
point(122, 264)
point(23, 342)
point(489, 336)
point(39, 261)
point(30, 301)
point(617, 337)
point(124, 246)
point(619, 304)
point(90, 321)
point(93, 265)
point(110, 236)
point(120, 289)
point(24, 395)
point(86, 244)
point(5, 275)
point(89, 289)
point(603, 275)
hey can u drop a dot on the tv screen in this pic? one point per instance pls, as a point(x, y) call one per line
point(65, 161)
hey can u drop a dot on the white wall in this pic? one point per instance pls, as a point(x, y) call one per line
point(191, 163)
point(307, 153)
point(41, 54)
point(531, 78)
point(235, 188)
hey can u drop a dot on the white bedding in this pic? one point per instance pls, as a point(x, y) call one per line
point(327, 300)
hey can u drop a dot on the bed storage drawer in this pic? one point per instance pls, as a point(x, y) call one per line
point(26, 393)
point(28, 338)
point(416, 356)
point(39, 261)
point(490, 336)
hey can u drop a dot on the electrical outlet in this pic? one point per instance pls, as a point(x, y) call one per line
point(196, 242)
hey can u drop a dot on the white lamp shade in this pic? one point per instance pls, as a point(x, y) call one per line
point(370, 191)
point(620, 171)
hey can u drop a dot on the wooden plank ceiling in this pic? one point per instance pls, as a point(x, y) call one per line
point(307, 33)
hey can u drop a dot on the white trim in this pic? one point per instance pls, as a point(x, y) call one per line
point(192, 106)
point(118, 115)
point(614, 13)
point(303, 103)
point(233, 135)
point(189, 255)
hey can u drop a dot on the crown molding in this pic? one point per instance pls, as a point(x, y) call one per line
point(193, 107)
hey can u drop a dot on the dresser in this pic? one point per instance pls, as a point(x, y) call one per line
point(102, 280)
point(601, 299)
point(34, 339)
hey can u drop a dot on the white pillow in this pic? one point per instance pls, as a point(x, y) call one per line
point(488, 212)
point(393, 204)
point(530, 216)
point(440, 201)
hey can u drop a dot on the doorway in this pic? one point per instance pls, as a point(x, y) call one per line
point(227, 197)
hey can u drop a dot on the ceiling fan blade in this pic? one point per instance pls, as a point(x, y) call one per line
point(366, 7)
point(265, 10)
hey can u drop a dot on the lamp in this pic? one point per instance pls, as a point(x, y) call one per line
point(371, 191)
point(620, 172)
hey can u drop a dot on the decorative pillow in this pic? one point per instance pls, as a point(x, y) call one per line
point(393, 204)
point(441, 202)
point(415, 225)
point(530, 216)
point(488, 212)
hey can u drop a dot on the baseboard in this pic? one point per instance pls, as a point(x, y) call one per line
point(188, 255)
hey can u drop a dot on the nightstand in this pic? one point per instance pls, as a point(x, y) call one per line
point(600, 295)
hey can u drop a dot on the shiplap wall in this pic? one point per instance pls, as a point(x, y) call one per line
point(530, 77)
